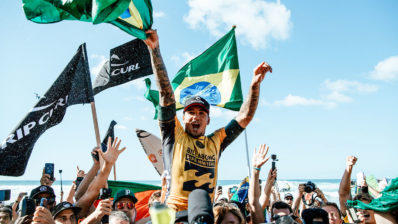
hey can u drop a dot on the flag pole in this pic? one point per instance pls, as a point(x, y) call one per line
point(114, 171)
point(96, 129)
point(97, 137)
point(95, 121)
point(247, 155)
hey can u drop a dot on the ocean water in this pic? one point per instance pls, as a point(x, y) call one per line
point(328, 186)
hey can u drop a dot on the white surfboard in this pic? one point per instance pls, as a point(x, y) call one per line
point(152, 146)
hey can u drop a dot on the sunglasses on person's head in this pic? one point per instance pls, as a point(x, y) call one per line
point(121, 205)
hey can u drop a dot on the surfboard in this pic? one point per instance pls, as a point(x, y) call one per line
point(152, 146)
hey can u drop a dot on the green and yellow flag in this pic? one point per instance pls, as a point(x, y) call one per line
point(132, 16)
point(214, 75)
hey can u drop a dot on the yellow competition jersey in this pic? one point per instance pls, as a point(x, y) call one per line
point(191, 163)
point(194, 164)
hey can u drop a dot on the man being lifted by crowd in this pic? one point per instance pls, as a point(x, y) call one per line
point(190, 157)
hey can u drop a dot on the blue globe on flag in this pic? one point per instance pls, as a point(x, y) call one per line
point(206, 90)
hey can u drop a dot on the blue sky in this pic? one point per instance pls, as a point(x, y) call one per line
point(333, 92)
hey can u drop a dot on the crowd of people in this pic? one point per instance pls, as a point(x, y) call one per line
point(264, 204)
point(189, 180)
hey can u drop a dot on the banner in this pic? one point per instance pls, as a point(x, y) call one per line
point(387, 202)
point(213, 75)
point(73, 86)
point(141, 191)
point(127, 62)
point(242, 192)
point(109, 133)
point(131, 16)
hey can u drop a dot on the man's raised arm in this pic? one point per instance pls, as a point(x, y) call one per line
point(249, 107)
point(159, 70)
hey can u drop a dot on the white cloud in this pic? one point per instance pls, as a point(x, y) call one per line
point(386, 70)
point(138, 84)
point(121, 127)
point(291, 100)
point(135, 98)
point(222, 113)
point(257, 21)
point(181, 60)
point(97, 68)
point(158, 14)
point(339, 89)
point(128, 118)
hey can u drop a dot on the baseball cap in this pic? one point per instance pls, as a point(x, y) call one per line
point(200, 207)
point(64, 206)
point(125, 193)
point(197, 101)
point(41, 189)
point(288, 195)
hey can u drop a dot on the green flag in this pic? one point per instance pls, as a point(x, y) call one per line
point(387, 202)
point(132, 16)
point(142, 192)
point(214, 75)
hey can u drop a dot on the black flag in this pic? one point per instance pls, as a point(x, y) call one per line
point(127, 62)
point(73, 86)
point(109, 133)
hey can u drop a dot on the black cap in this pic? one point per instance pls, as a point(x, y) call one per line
point(309, 214)
point(125, 193)
point(42, 189)
point(63, 206)
point(200, 207)
point(197, 101)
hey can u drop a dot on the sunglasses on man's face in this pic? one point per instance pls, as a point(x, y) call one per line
point(121, 205)
point(289, 199)
point(45, 200)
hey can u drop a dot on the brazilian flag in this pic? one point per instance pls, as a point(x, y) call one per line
point(387, 202)
point(132, 16)
point(214, 75)
point(242, 192)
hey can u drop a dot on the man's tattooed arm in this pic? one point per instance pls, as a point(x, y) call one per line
point(159, 69)
point(249, 107)
point(162, 79)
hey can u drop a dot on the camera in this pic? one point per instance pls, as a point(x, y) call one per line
point(309, 187)
point(49, 169)
point(28, 206)
point(274, 159)
point(5, 195)
point(105, 193)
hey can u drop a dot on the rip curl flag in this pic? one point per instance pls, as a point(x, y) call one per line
point(214, 75)
point(72, 87)
point(132, 16)
point(127, 62)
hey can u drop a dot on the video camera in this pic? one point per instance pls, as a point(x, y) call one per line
point(105, 193)
point(274, 159)
point(309, 187)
